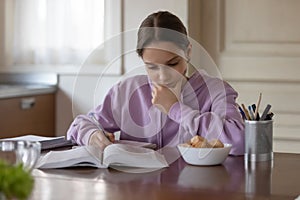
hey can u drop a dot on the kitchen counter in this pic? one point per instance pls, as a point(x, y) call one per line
point(28, 84)
point(11, 91)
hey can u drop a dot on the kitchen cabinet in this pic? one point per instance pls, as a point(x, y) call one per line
point(27, 115)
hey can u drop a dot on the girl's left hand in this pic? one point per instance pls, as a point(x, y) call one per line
point(163, 98)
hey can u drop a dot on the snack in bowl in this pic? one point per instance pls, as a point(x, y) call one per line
point(200, 142)
point(200, 151)
point(216, 143)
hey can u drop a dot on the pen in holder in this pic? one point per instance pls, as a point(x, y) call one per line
point(258, 140)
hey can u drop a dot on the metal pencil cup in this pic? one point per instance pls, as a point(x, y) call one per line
point(258, 140)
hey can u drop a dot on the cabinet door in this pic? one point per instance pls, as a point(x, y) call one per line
point(27, 115)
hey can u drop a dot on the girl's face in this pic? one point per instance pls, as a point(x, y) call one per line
point(166, 63)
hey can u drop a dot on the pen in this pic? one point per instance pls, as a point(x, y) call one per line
point(92, 116)
point(246, 112)
point(269, 116)
point(242, 112)
point(265, 113)
point(254, 109)
point(251, 112)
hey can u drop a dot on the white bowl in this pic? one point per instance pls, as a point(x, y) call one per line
point(204, 156)
point(16, 152)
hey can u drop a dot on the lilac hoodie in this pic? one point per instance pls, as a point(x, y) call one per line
point(206, 107)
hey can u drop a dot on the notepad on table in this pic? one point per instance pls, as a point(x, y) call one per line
point(113, 155)
point(47, 143)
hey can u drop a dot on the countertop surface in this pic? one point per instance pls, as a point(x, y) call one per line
point(19, 85)
point(18, 90)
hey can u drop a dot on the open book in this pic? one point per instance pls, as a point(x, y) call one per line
point(124, 155)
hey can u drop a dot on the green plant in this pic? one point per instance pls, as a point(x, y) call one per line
point(15, 182)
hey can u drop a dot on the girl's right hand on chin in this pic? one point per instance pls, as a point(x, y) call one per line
point(99, 139)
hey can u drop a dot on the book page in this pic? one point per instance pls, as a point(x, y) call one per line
point(79, 156)
point(133, 156)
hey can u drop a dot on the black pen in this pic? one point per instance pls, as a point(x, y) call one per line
point(251, 112)
point(269, 116)
point(265, 113)
point(242, 112)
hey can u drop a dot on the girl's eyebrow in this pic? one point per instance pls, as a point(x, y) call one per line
point(149, 63)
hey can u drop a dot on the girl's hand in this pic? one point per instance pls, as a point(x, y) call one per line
point(100, 140)
point(163, 98)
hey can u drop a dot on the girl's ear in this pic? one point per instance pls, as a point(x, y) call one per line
point(188, 52)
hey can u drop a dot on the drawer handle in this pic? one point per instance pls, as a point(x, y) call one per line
point(27, 103)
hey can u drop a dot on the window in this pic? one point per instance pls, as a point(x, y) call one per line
point(56, 31)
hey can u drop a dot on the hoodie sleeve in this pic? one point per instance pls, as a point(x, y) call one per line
point(220, 119)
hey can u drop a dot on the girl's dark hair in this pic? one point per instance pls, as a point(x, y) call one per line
point(161, 26)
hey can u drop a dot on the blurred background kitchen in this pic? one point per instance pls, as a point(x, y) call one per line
point(58, 58)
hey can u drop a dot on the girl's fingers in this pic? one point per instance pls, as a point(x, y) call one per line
point(157, 86)
point(110, 136)
point(154, 92)
point(100, 140)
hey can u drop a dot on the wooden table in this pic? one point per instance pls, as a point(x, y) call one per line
point(233, 179)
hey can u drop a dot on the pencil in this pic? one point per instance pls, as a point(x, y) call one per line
point(257, 107)
point(246, 112)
